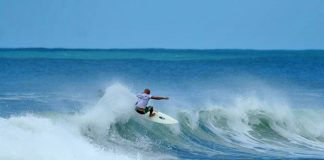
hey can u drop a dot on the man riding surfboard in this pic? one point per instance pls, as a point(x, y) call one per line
point(143, 99)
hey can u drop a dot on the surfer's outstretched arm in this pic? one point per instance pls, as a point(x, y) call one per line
point(159, 98)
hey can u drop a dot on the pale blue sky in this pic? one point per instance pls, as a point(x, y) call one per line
point(196, 24)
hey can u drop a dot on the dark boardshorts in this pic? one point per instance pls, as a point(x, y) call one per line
point(147, 109)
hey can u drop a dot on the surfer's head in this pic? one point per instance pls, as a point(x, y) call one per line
point(147, 91)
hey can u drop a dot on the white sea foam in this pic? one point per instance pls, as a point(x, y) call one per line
point(63, 137)
point(31, 137)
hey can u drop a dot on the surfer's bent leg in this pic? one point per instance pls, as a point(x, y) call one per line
point(150, 108)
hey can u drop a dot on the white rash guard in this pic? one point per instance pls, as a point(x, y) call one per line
point(143, 100)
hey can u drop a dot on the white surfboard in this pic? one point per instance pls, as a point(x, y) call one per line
point(159, 117)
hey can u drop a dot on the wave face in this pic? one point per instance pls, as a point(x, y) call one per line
point(230, 105)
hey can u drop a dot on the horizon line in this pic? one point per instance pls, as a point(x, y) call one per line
point(170, 49)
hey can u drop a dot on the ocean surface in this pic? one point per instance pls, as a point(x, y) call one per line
point(58, 104)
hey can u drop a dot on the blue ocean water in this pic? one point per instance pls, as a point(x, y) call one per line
point(231, 104)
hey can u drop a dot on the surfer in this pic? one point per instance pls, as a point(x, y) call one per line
point(143, 99)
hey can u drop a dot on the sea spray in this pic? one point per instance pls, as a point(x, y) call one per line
point(115, 105)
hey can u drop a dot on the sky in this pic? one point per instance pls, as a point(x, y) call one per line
point(178, 24)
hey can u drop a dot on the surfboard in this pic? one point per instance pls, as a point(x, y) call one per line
point(159, 117)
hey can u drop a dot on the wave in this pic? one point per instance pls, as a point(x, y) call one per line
point(249, 127)
point(56, 136)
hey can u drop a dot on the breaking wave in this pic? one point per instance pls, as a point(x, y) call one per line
point(248, 126)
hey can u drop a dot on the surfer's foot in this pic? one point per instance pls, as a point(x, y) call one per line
point(153, 114)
